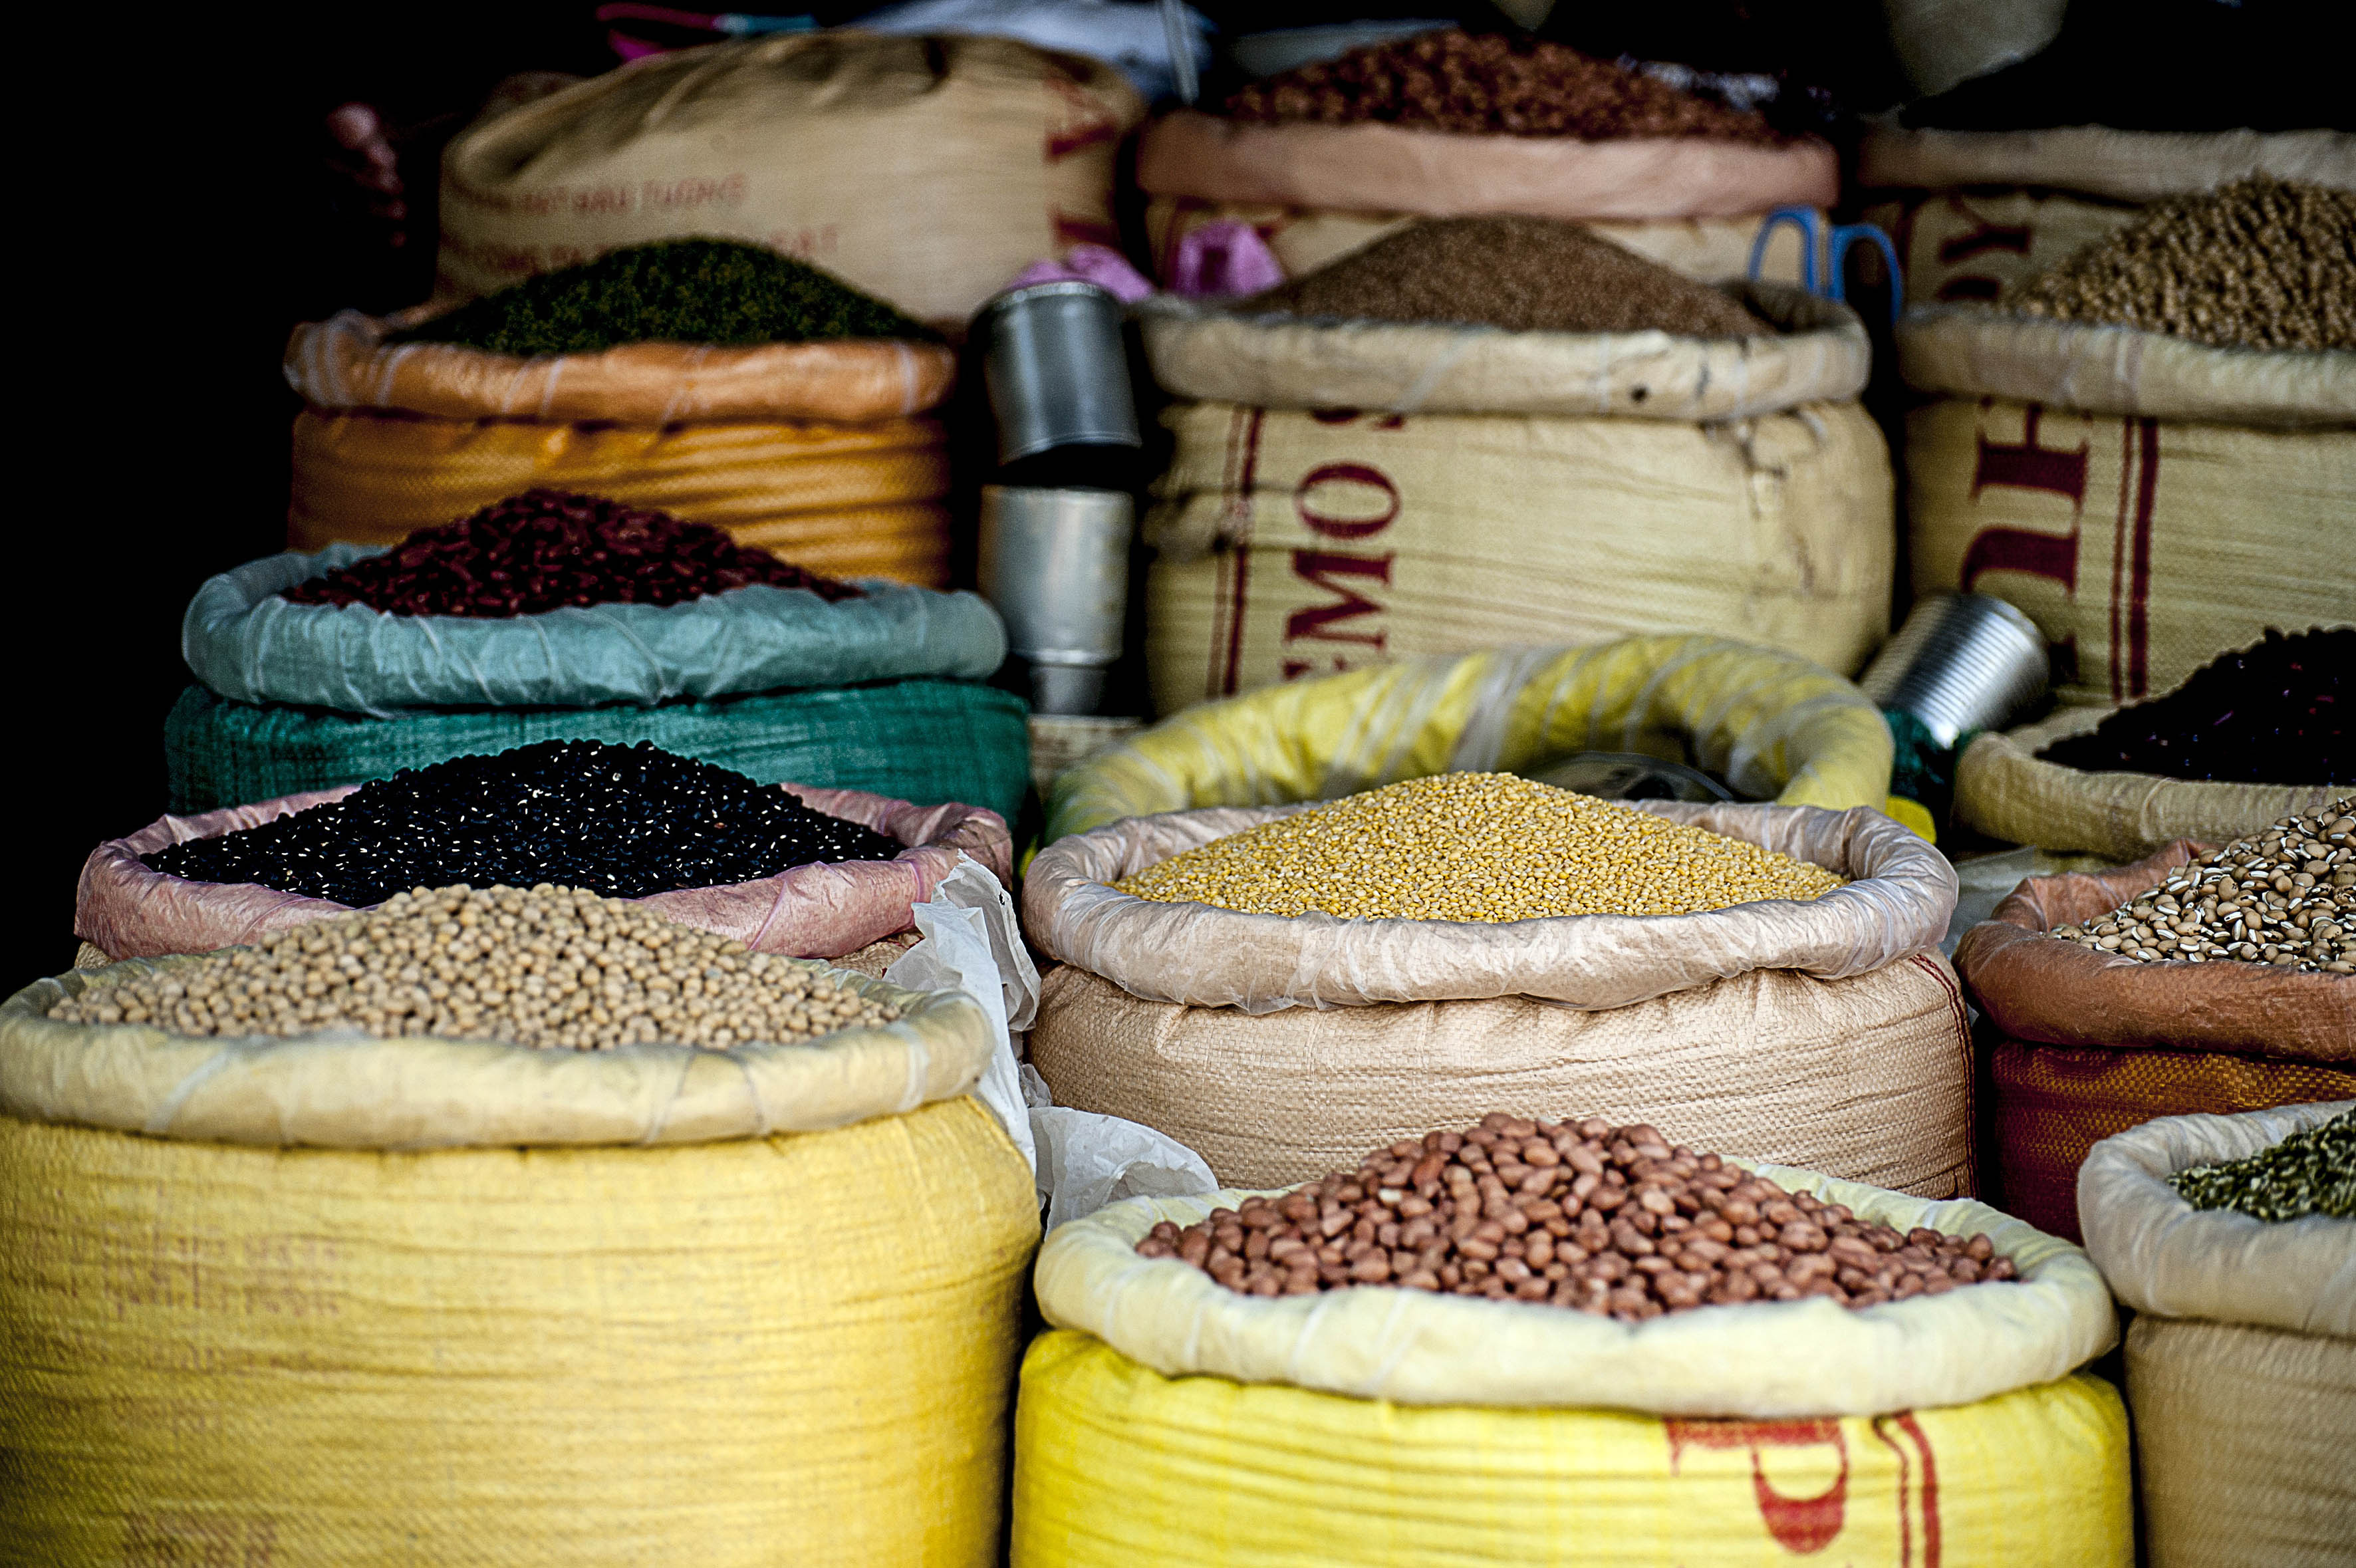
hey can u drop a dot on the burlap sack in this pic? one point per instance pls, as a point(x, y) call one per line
point(926, 171)
point(1406, 1025)
point(1303, 238)
point(1291, 544)
point(345, 364)
point(1376, 167)
point(2002, 789)
point(2242, 1361)
point(1955, 246)
point(2142, 546)
point(811, 911)
point(1941, 44)
point(1222, 354)
point(2124, 166)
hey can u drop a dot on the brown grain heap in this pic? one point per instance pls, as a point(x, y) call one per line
point(1609, 1220)
point(1453, 80)
point(1525, 274)
point(2262, 263)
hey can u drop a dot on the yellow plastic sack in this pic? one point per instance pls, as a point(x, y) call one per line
point(848, 500)
point(1772, 723)
point(564, 1342)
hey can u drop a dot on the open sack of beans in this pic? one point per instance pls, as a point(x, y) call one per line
point(2233, 1238)
point(725, 382)
point(1571, 1362)
point(2148, 446)
point(1504, 431)
point(548, 600)
point(810, 872)
point(606, 1185)
point(2209, 980)
point(2249, 738)
point(1276, 986)
point(1774, 726)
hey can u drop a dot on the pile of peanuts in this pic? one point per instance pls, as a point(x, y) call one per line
point(552, 967)
point(1476, 847)
point(2286, 897)
point(1609, 1220)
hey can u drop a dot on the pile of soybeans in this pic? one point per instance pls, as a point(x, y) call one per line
point(1476, 846)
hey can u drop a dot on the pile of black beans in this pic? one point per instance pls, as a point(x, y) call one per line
point(2276, 712)
point(625, 821)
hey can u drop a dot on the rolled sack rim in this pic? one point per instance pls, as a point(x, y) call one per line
point(2100, 160)
point(1779, 1359)
point(2161, 1255)
point(1899, 904)
point(347, 1090)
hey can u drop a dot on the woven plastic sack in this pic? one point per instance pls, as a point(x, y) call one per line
point(2241, 1359)
point(926, 741)
point(848, 500)
point(2005, 791)
point(345, 364)
point(125, 910)
point(1771, 724)
point(925, 170)
point(1220, 353)
point(245, 642)
point(290, 1300)
point(1377, 168)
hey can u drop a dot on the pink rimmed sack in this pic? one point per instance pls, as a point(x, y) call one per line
point(125, 910)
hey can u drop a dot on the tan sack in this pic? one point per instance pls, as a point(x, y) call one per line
point(1291, 544)
point(810, 911)
point(2143, 546)
point(928, 171)
point(344, 362)
point(2098, 160)
point(2002, 789)
point(1867, 1076)
point(1955, 246)
point(2241, 1359)
point(1376, 167)
point(1228, 354)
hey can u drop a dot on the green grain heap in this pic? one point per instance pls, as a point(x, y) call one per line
point(2312, 1172)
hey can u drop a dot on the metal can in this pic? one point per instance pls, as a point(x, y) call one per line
point(1056, 370)
point(1962, 662)
point(1055, 562)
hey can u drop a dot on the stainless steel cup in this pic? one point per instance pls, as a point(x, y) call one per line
point(1055, 562)
point(1055, 368)
point(1961, 663)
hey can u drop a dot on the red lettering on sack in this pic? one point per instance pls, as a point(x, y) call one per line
point(1929, 1489)
point(1318, 621)
point(1978, 240)
point(1336, 526)
point(1351, 415)
point(694, 191)
point(1084, 122)
point(2028, 465)
point(1798, 1524)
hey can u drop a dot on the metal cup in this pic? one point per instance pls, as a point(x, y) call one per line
point(1056, 370)
point(1961, 663)
point(1055, 562)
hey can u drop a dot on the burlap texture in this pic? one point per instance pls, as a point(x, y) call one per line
point(1819, 354)
point(2005, 791)
point(2162, 1256)
point(1955, 246)
point(810, 911)
point(345, 364)
point(2126, 166)
point(2041, 988)
point(1868, 1080)
point(1376, 167)
point(1897, 902)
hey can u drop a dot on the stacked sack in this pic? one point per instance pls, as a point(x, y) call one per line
point(1503, 430)
point(1825, 1031)
point(550, 616)
point(2144, 442)
point(1325, 158)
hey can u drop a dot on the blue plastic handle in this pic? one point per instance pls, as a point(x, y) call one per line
point(1805, 219)
point(1836, 260)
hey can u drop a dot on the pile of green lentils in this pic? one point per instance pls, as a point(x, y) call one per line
point(551, 967)
point(2312, 1172)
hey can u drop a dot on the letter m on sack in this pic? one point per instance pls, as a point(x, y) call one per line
point(1349, 615)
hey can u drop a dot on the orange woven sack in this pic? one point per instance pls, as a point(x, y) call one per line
point(2093, 1044)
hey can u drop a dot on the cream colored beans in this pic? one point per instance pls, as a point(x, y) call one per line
point(552, 967)
point(1476, 846)
point(2286, 898)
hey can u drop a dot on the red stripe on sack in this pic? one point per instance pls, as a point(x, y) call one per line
point(1929, 1487)
point(2119, 549)
point(2139, 581)
point(1905, 1524)
point(1242, 551)
point(1963, 1020)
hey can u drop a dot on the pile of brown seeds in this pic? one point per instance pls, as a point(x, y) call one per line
point(1524, 274)
point(552, 967)
point(2286, 897)
point(2262, 263)
point(1609, 1220)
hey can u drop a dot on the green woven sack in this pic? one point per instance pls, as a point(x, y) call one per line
point(926, 741)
